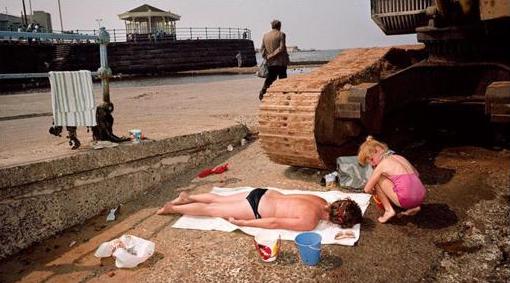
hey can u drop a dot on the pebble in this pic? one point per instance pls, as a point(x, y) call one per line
point(111, 274)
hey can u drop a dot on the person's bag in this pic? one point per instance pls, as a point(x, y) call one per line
point(262, 72)
point(351, 175)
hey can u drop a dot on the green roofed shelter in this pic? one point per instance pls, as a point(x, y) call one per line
point(147, 22)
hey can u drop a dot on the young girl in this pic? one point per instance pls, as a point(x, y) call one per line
point(394, 179)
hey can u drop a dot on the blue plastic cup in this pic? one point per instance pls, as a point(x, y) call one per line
point(309, 245)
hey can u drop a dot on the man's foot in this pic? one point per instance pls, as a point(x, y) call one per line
point(386, 216)
point(411, 212)
point(183, 198)
point(167, 209)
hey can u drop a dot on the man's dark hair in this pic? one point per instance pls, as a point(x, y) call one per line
point(345, 213)
point(276, 24)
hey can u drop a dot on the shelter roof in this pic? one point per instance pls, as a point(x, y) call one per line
point(146, 11)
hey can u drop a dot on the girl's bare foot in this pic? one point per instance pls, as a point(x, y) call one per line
point(411, 212)
point(386, 216)
point(183, 198)
point(167, 209)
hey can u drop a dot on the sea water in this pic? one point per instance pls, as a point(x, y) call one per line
point(307, 56)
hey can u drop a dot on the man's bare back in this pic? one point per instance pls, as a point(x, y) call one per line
point(276, 204)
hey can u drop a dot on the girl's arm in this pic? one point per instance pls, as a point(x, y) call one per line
point(374, 179)
point(296, 224)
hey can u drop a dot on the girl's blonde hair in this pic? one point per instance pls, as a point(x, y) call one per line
point(368, 148)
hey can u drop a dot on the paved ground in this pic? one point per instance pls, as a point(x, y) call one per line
point(462, 234)
point(426, 247)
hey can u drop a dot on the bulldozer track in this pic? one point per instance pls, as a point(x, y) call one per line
point(296, 115)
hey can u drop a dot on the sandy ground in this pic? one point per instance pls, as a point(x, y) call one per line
point(461, 235)
point(160, 111)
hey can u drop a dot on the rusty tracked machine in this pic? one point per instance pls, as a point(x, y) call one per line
point(309, 120)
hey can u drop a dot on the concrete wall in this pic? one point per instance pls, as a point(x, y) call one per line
point(40, 199)
point(127, 57)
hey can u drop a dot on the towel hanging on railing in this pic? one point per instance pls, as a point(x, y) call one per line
point(72, 98)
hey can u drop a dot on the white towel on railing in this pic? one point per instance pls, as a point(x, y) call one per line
point(72, 99)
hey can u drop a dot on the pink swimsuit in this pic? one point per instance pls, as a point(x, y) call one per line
point(409, 189)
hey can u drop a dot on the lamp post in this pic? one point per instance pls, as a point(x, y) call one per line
point(99, 22)
point(60, 13)
point(25, 13)
point(31, 12)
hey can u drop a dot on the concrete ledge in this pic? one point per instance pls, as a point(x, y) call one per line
point(40, 199)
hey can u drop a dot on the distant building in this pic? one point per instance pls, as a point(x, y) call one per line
point(12, 23)
point(43, 19)
point(293, 49)
point(147, 22)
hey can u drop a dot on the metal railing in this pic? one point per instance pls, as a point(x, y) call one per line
point(121, 35)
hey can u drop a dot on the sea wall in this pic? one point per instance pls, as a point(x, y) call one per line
point(127, 57)
point(40, 199)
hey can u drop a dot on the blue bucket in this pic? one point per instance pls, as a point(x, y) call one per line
point(309, 245)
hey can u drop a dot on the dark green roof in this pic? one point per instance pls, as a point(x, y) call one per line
point(146, 8)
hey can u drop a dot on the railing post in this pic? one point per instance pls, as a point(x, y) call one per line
point(114, 36)
point(229, 33)
point(104, 72)
point(205, 32)
point(238, 33)
point(219, 33)
point(190, 33)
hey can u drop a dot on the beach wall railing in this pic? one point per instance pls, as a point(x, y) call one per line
point(122, 35)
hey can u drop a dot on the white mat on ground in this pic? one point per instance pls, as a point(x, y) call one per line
point(326, 229)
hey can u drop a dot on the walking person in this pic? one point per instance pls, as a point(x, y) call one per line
point(274, 51)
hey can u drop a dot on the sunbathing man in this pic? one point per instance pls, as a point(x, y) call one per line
point(267, 209)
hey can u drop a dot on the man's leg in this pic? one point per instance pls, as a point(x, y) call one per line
point(272, 74)
point(185, 198)
point(282, 73)
point(238, 209)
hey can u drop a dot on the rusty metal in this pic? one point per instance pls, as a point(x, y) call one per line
point(309, 120)
point(400, 16)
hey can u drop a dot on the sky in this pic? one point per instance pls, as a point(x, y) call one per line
point(317, 24)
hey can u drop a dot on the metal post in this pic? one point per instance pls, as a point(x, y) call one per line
point(205, 32)
point(31, 13)
point(219, 33)
point(104, 72)
point(114, 36)
point(190, 34)
point(25, 13)
point(229, 33)
point(60, 12)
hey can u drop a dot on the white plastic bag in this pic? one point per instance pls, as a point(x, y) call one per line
point(129, 251)
point(262, 72)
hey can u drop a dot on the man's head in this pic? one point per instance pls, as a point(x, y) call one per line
point(276, 24)
point(345, 213)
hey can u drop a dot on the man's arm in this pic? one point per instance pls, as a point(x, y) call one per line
point(282, 47)
point(296, 224)
point(263, 50)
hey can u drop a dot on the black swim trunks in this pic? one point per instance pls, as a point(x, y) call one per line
point(254, 199)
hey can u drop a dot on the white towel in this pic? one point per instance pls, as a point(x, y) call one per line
point(326, 229)
point(72, 99)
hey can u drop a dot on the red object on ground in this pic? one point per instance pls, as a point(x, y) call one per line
point(220, 169)
point(378, 203)
point(217, 170)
